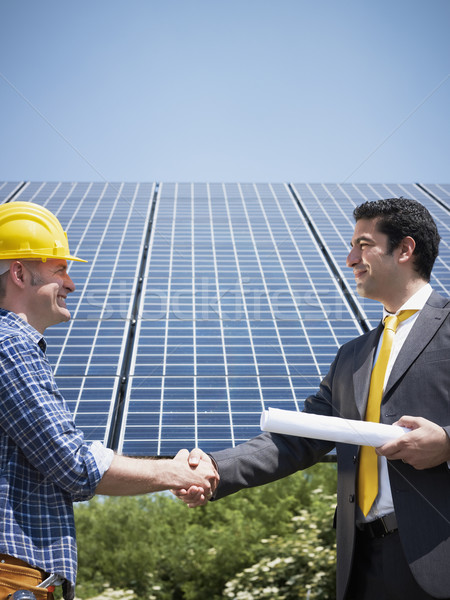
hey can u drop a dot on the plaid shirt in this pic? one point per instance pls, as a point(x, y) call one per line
point(45, 464)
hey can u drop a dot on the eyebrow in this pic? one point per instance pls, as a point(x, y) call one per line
point(362, 238)
point(60, 267)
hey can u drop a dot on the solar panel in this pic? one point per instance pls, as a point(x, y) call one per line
point(439, 192)
point(8, 189)
point(235, 302)
point(202, 304)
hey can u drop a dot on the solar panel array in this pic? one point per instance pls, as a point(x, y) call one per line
point(203, 304)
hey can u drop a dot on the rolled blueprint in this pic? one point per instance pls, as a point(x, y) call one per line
point(335, 429)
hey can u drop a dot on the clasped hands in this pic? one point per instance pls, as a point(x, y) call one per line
point(197, 495)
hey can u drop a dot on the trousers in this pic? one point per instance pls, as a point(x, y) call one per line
point(17, 575)
point(381, 572)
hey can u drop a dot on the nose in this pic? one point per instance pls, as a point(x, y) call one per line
point(353, 258)
point(69, 284)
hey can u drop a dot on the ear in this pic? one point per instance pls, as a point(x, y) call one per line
point(406, 249)
point(17, 273)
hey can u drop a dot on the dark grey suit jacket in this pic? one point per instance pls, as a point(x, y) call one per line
point(419, 385)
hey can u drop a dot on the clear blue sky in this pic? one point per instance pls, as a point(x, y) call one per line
point(237, 90)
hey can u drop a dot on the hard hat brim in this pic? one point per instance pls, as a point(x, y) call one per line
point(29, 254)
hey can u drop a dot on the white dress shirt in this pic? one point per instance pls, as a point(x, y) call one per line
point(383, 503)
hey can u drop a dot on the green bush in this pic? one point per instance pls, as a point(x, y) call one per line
point(160, 549)
point(300, 564)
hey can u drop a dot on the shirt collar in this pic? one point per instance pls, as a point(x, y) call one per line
point(416, 302)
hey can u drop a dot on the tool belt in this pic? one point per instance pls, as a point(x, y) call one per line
point(15, 574)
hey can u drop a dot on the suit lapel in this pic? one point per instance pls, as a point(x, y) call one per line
point(428, 322)
point(363, 361)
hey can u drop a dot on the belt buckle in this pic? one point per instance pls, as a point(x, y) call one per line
point(385, 530)
point(384, 526)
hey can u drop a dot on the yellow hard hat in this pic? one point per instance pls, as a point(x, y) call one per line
point(29, 230)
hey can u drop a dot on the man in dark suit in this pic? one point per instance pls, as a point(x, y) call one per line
point(401, 547)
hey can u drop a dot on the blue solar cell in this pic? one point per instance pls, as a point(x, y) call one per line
point(249, 394)
point(141, 434)
point(211, 394)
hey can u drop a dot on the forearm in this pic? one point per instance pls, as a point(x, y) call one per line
point(132, 476)
point(263, 459)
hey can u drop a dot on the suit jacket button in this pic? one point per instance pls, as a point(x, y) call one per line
point(354, 459)
point(351, 498)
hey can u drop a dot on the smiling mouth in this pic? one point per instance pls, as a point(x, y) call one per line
point(359, 274)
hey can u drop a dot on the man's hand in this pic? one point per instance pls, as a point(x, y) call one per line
point(426, 446)
point(196, 495)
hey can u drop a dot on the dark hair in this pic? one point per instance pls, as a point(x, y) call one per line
point(399, 218)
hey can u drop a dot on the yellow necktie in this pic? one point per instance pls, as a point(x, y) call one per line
point(368, 459)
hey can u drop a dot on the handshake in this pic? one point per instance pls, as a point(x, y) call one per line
point(203, 479)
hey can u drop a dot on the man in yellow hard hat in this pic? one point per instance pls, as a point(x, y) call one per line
point(45, 463)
